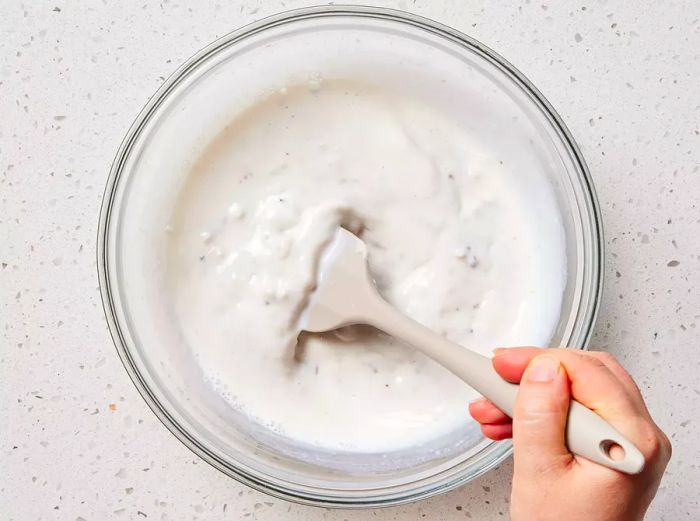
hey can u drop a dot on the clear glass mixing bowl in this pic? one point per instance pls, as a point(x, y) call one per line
point(154, 160)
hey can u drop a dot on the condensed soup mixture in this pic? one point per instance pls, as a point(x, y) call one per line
point(453, 241)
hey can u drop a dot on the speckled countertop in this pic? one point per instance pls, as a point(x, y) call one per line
point(78, 443)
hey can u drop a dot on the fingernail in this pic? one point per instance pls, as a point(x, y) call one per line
point(499, 351)
point(478, 400)
point(543, 369)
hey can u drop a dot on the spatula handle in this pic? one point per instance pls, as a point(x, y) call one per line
point(587, 434)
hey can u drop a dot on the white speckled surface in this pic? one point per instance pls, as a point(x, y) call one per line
point(77, 442)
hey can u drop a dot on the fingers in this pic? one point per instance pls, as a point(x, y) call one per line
point(596, 387)
point(648, 437)
point(600, 383)
point(623, 376)
point(486, 413)
point(511, 363)
point(539, 418)
point(495, 424)
point(498, 432)
point(610, 392)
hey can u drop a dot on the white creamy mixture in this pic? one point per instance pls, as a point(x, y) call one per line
point(453, 242)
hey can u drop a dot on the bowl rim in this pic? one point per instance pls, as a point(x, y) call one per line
point(586, 316)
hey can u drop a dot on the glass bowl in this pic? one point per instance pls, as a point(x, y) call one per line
point(175, 125)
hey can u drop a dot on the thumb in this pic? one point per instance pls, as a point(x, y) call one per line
point(539, 418)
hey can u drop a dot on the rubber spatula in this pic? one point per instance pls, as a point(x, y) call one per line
point(345, 294)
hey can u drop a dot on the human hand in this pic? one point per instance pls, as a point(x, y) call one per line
point(550, 483)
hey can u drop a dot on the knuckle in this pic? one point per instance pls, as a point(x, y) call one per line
point(655, 444)
point(666, 447)
point(593, 358)
point(606, 358)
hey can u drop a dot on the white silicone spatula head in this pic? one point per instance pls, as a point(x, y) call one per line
point(345, 294)
point(343, 285)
